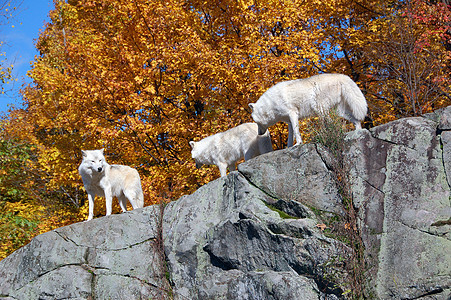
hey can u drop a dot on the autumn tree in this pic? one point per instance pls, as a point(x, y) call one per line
point(397, 57)
point(8, 9)
point(435, 16)
point(28, 205)
point(143, 79)
point(18, 216)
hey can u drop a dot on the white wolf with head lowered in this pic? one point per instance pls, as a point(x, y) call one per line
point(289, 101)
point(102, 179)
point(224, 149)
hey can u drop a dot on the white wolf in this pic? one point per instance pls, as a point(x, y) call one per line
point(224, 149)
point(100, 178)
point(288, 101)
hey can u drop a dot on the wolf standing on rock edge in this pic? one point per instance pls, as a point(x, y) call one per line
point(289, 101)
point(224, 149)
point(100, 178)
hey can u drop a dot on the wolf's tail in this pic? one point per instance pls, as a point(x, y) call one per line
point(135, 193)
point(140, 198)
point(354, 99)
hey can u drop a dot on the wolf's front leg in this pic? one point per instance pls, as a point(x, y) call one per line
point(222, 169)
point(294, 120)
point(108, 201)
point(91, 197)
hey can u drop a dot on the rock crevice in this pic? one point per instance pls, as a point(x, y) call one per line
point(264, 231)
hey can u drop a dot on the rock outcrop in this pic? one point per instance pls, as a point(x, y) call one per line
point(258, 233)
point(402, 194)
point(106, 258)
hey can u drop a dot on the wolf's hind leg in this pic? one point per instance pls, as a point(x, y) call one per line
point(357, 125)
point(348, 116)
point(122, 202)
point(133, 197)
point(345, 112)
point(290, 135)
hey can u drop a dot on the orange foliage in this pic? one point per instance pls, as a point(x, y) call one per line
point(143, 79)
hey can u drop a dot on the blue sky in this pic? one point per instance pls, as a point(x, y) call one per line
point(20, 36)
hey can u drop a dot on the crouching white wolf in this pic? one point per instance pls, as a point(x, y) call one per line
point(100, 178)
point(288, 101)
point(224, 149)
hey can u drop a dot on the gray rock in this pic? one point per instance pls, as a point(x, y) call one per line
point(401, 193)
point(254, 233)
point(226, 230)
point(446, 145)
point(113, 257)
point(297, 173)
point(65, 282)
point(445, 119)
point(267, 285)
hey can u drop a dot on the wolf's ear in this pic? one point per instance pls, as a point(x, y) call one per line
point(102, 150)
point(192, 143)
point(83, 153)
point(252, 105)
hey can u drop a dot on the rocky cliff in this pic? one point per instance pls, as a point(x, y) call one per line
point(278, 228)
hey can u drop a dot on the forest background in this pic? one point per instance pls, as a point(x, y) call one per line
point(141, 78)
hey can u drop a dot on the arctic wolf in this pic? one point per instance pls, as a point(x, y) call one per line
point(100, 178)
point(288, 101)
point(224, 149)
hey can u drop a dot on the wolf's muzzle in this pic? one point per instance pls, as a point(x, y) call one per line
point(99, 169)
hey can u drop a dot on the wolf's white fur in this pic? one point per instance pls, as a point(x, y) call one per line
point(224, 149)
point(289, 101)
point(100, 178)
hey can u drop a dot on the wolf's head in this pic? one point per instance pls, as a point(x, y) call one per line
point(197, 153)
point(94, 160)
point(260, 117)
